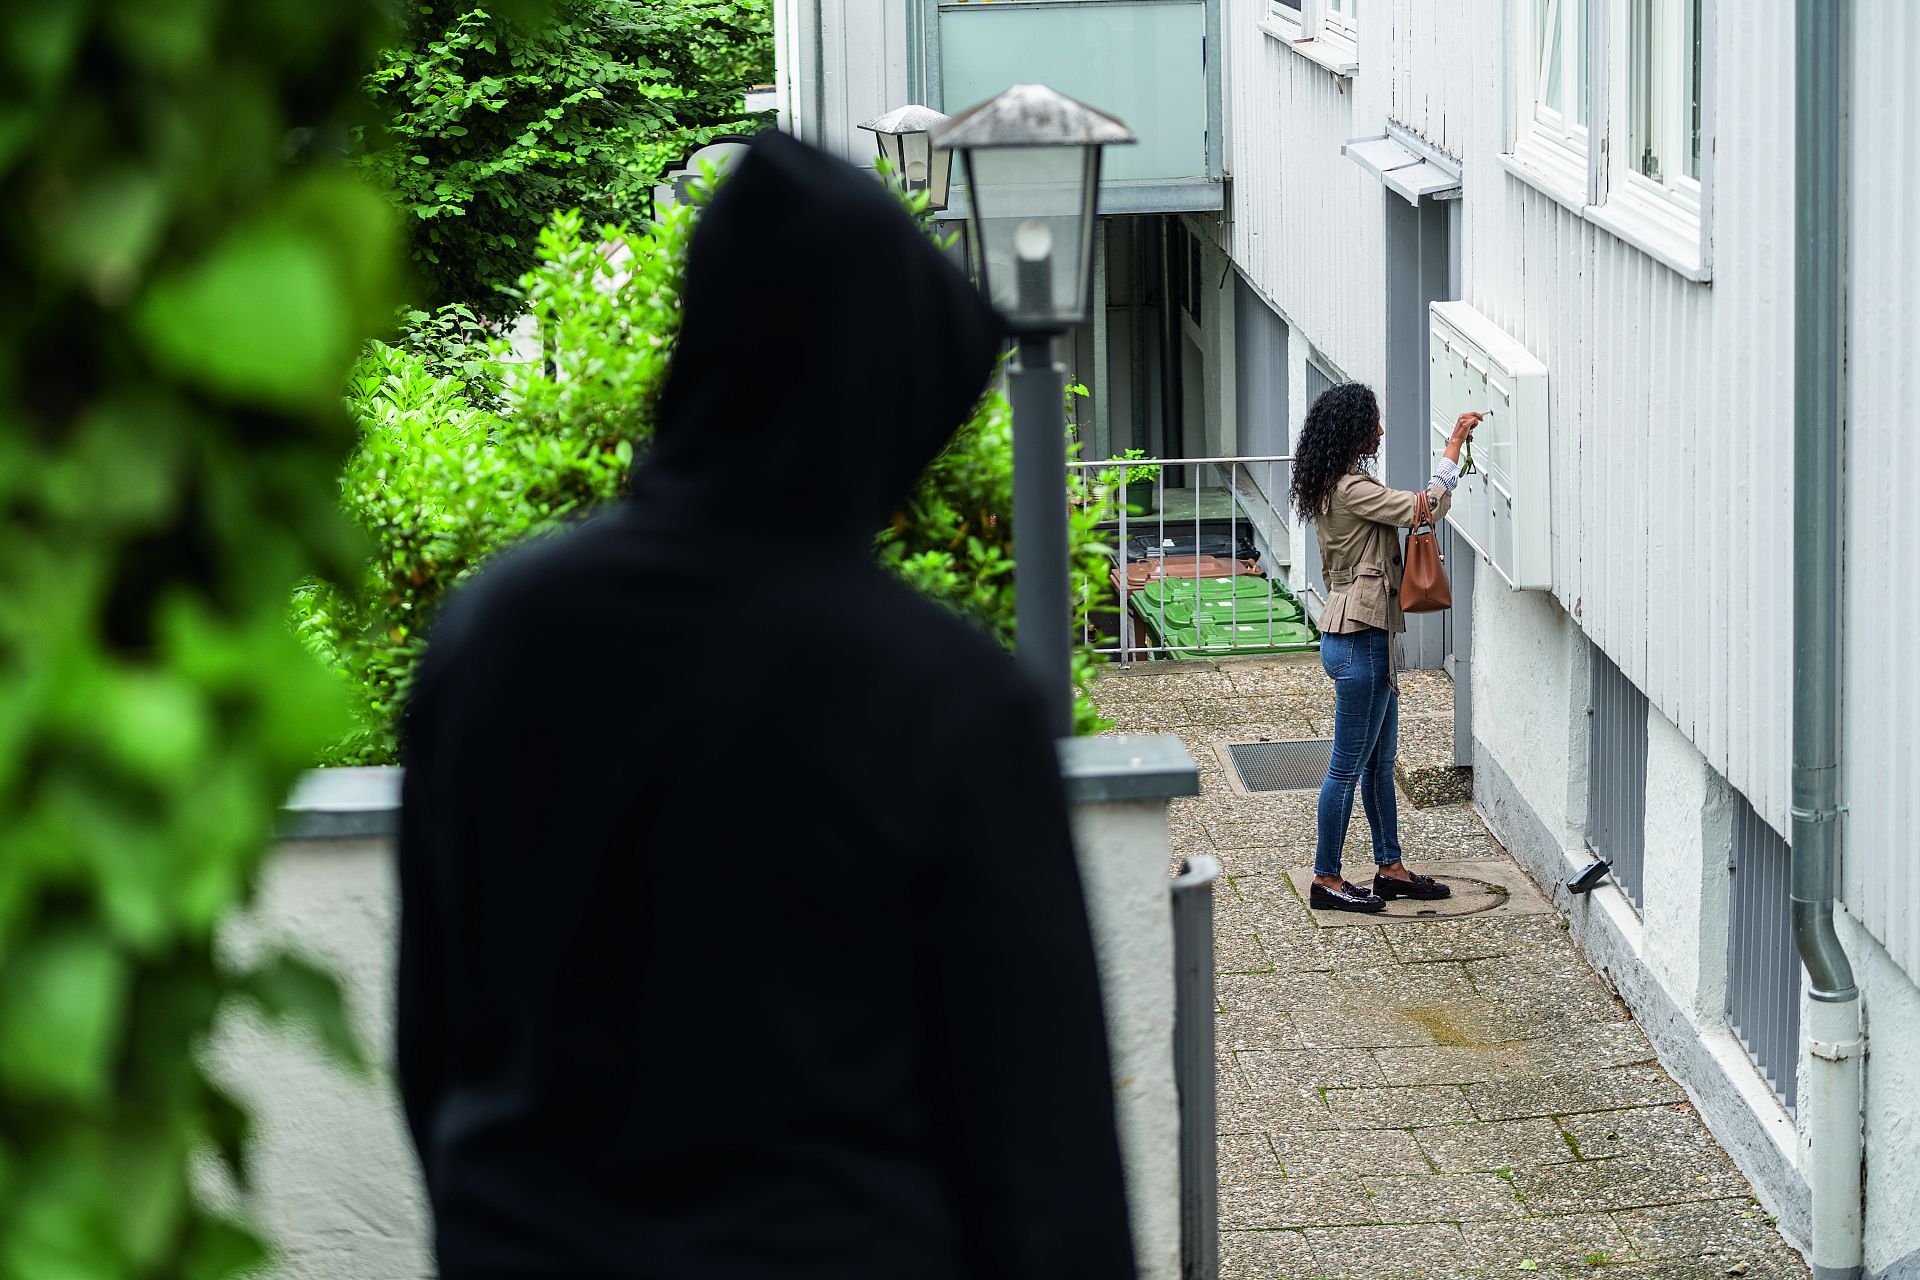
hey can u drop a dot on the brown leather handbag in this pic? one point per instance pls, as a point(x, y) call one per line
point(1423, 585)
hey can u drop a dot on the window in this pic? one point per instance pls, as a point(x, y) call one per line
point(1611, 118)
point(1663, 99)
point(1560, 70)
point(1321, 31)
point(1285, 20)
point(1556, 98)
point(1338, 18)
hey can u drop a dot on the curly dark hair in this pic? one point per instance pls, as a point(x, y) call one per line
point(1341, 429)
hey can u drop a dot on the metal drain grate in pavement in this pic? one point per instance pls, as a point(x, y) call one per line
point(1297, 764)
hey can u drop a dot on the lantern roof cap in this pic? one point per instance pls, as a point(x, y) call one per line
point(1031, 115)
point(912, 118)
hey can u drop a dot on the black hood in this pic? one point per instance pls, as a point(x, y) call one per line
point(827, 349)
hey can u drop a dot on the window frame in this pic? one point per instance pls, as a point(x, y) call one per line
point(1286, 22)
point(1670, 220)
point(1561, 152)
point(1340, 19)
point(1314, 31)
point(1669, 80)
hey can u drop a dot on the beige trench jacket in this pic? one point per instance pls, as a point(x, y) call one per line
point(1360, 552)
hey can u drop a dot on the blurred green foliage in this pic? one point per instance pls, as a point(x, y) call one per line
point(190, 272)
point(497, 118)
point(467, 448)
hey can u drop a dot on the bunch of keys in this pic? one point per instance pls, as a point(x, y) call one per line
point(1466, 462)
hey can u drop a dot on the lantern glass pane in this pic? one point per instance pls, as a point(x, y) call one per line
point(1033, 224)
point(917, 165)
point(893, 153)
point(940, 178)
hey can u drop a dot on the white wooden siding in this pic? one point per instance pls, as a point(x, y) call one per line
point(1308, 230)
point(1671, 401)
point(1432, 63)
point(842, 61)
point(1882, 873)
point(1672, 410)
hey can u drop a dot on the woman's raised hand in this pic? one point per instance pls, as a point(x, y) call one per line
point(1463, 428)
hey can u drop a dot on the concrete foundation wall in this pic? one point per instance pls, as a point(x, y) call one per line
point(1669, 963)
point(1891, 1003)
point(1530, 698)
point(1687, 890)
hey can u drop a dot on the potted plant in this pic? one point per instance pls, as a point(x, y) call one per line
point(1142, 477)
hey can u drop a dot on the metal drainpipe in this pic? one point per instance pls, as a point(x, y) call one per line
point(1822, 135)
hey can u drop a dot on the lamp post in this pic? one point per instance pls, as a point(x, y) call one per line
point(1032, 161)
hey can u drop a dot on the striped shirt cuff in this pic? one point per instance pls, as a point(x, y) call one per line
point(1446, 475)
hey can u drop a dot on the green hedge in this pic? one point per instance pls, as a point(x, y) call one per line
point(465, 450)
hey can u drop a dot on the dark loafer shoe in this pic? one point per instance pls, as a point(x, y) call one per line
point(1420, 888)
point(1348, 897)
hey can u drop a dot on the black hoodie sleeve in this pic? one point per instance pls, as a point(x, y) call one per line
point(1025, 1084)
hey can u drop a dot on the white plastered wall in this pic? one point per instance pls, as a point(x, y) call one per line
point(336, 1185)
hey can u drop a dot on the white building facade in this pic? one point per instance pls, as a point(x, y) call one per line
point(1610, 185)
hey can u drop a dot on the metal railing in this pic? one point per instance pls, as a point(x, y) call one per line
point(1193, 1066)
point(1250, 493)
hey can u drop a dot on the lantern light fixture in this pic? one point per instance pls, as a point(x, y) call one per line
point(904, 137)
point(1032, 163)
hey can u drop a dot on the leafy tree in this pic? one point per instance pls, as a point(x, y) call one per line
point(499, 118)
point(186, 287)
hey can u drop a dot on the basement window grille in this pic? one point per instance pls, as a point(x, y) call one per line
point(1763, 968)
point(1617, 775)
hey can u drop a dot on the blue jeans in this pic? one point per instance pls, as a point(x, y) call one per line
point(1366, 737)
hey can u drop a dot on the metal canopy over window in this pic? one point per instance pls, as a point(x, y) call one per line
point(1405, 167)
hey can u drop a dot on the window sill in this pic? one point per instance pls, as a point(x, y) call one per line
point(1666, 234)
point(1285, 30)
point(1669, 237)
point(1329, 52)
point(1554, 177)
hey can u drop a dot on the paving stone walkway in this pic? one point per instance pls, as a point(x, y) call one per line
point(1422, 1097)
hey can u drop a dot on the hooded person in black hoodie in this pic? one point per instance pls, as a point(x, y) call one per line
point(755, 951)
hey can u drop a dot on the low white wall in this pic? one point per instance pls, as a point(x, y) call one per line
point(1123, 869)
point(336, 1186)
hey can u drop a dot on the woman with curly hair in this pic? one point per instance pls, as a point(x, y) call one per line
point(1359, 522)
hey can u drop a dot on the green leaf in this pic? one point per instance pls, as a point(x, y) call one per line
point(62, 997)
point(260, 320)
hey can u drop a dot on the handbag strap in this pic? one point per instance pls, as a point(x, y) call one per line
point(1422, 513)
